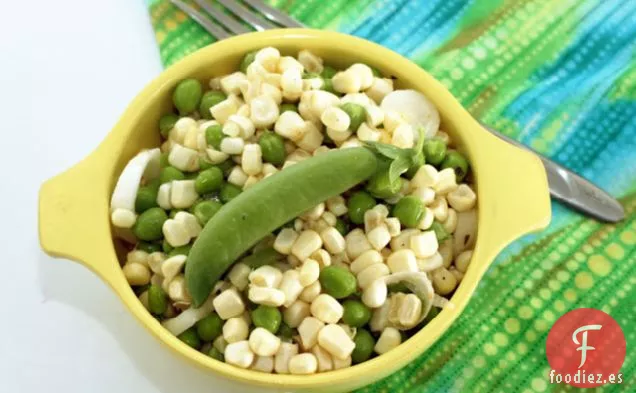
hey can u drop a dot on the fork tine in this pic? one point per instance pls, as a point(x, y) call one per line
point(229, 23)
point(274, 14)
point(203, 20)
point(239, 10)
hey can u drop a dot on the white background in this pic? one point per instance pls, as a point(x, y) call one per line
point(68, 69)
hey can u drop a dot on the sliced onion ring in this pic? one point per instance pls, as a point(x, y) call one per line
point(145, 163)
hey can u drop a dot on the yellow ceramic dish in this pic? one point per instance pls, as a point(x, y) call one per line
point(74, 206)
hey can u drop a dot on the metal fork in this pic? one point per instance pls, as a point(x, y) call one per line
point(565, 186)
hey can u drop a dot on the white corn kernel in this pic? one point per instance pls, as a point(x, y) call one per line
point(346, 82)
point(356, 98)
point(269, 58)
point(268, 169)
point(299, 224)
point(266, 276)
point(337, 205)
point(171, 267)
point(183, 158)
point(266, 296)
point(424, 244)
point(379, 88)
point(314, 213)
point(326, 308)
point(424, 194)
point(291, 82)
point(251, 180)
point(368, 134)
point(310, 292)
point(352, 142)
point(403, 239)
point(380, 318)
point(333, 240)
point(124, 218)
point(263, 364)
point(439, 208)
point(446, 251)
point(451, 221)
point(375, 116)
point(238, 275)
point(379, 237)
point(393, 225)
point(375, 294)
point(338, 136)
point(312, 137)
point(215, 156)
point(155, 261)
point(372, 273)
point(220, 344)
point(189, 222)
point(252, 159)
point(322, 257)
point(231, 129)
point(459, 276)
point(281, 360)
point(462, 198)
point(325, 361)
point(309, 272)
point(356, 243)
point(446, 181)
point(335, 119)
point(465, 233)
point(312, 84)
point(175, 233)
point(335, 340)
point(431, 263)
point(245, 125)
point(263, 342)
point(232, 145)
point(298, 155)
point(405, 311)
point(264, 111)
point(329, 218)
point(308, 331)
point(287, 62)
point(425, 177)
point(228, 304)
point(290, 125)
point(341, 363)
point(285, 240)
point(364, 260)
point(372, 219)
point(303, 364)
point(136, 273)
point(296, 313)
point(290, 285)
point(308, 242)
point(310, 62)
point(235, 329)
point(183, 194)
point(319, 101)
point(463, 260)
point(402, 261)
point(392, 120)
point(181, 128)
point(230, 84)
point(143, 298)
point(239, 354)
point(224, 109)
point(389, 339)
point(444, 281)
point(237, 176)
point(426, 221)
point(403, 136)
point(293, 261)
point(365, 74)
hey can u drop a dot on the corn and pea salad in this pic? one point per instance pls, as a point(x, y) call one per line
point(297, 218)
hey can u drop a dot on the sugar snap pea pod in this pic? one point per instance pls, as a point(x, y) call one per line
point(266, 206)
point(263, 257)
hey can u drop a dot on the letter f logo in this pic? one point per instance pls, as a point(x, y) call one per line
point(584, 347)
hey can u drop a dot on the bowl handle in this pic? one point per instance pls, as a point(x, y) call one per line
point(73, 217)
point(516, 191)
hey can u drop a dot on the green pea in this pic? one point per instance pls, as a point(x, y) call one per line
point(205, 210)
point(328, 72)
point(216, 354)
point(247, 60)
point(327, 85)
point(358, 204)
point(146, 199)
point(166, 123)
point(190, 338)
point(208, 181)
point(337, 281)
point(356, 314)
point(376, 72)
point(210, 327)
point(363, 350)
point(342, 227)
point(409, 210)
point(288, 107)
point(157, 300)
point(440, 232)
point(205, 164)
point(226, 166)
point(458, 162)
point(357, 114)
point(272, 147)
point(214, 135)
point(149, 223)
point(208, 100)
point(163, 160)
point(181, 250)
point(380, 185)
point(166, 247)
point(187, 95)
point(228, 192)
point(435, 150)
point(169, 174)
point(285, 332)
point(267, 317)
point(148, 247)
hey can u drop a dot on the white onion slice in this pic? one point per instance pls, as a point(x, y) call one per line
point(189, 317)
point(416, 109)
point(146, 163)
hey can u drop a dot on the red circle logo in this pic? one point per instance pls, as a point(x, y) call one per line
point(585, 348)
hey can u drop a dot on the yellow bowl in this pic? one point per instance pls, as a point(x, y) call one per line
point(512, 189)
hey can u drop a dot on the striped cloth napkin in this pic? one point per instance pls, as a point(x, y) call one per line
point(560, 76)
